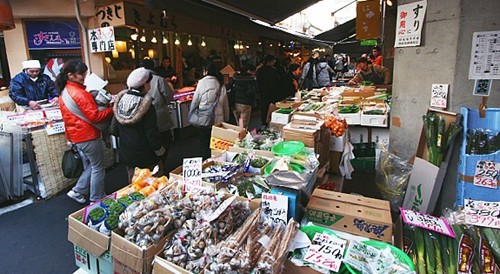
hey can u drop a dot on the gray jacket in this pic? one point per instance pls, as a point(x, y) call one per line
point(204, 97)
point(162, 95)
point(324, 70)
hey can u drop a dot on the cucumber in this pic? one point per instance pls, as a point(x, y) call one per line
point(419, 240)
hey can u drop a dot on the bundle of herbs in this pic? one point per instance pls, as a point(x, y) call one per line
point(438, 137)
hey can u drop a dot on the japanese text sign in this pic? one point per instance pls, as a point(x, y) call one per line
point(102, 39)
point(275, 207)
point(486, 174)
point(409, 24)
point(111, 15)
point(485, 55)
point(428, 222)
point(191, 172)
point(439, 95)
point(43, 35)
point(482, 213)
point(367, 19)
point(53, 114)
point(326, 251)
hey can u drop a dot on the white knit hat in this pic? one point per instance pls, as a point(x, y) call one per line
point(31, 64)
point(138, 78)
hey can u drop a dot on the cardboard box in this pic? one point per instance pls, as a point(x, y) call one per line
point(288, 104)
point(338, 143)
point(357, 215)
point(366, 92)
point(228, 132)
point(135, 257)
point(219, 144)
point(92, 264)
point(426, 179)
point(85, 237)
point(335, 162)
point(281, 118)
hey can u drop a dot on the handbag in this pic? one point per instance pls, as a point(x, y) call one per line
point(204, 118)
point(72, 165)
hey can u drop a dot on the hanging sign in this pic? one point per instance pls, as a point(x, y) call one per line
point(439, 95)
point(191, 173)
point(486, 174)
point(275, 206)
point(326, 251)
point(482, 87)
point(482, 213)
point(409, 24)
point(44, 35)
point(111, 15)
point(102, 39)
point(428, 222)
point(485, 55)
point(367, 19)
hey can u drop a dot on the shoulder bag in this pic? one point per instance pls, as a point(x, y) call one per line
point(72, 165)
point(204, 117)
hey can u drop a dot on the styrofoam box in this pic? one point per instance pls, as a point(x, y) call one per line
point(375, 120)
point(280, 118)
point(351, 118)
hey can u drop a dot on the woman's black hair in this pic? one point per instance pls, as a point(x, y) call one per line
point(71, 66)
point(212, 70)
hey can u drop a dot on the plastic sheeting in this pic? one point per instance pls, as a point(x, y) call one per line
point(11, 168)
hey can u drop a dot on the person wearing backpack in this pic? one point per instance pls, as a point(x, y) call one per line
point(243, 90)
point(323, 71)
point(308, 79)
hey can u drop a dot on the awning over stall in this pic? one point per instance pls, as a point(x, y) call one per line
point(339, 33)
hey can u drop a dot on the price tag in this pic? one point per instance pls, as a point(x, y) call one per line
point(275, 206)
point(482, 213)
point(428, 222)
point(439, 95)
point(34, 116)
point(18, 119)
point(216, 213)
point(53, 114)
point(486, 174)
point(191, 173)
point(55, 128)
point(326, 251)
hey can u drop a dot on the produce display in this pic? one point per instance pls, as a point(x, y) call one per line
point(263, 140)
point(250, 187)
point(438, 137)
point(317, 107)
point(336, 125)
point(481, 141)
point(144, 182)
point(220, 173)
point(103, 217)
point(348, 108)
point(249, 160)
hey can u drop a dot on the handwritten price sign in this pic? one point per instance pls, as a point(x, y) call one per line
point(326, 251)
point(482, 213)
point(486, 174)
point(428, 222)
point(439, 95)
point(191, 172)
point(275, 207)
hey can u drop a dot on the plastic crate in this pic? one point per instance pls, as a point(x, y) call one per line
point(467, 163)
point(364, 165)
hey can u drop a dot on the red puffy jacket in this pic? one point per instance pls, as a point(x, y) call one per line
point(77, 130)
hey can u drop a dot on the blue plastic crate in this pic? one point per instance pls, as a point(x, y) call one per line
point(467, 163)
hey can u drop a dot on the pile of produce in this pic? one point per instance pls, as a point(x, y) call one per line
point(147, 221)
point(481, 141)
point(250, 187)
point(104, 216)
point(336, 125)
point(144, 182)
point(316, 107)
point(187, 247)
point(263, 140)
point(259, 246)
point(438, 137)
point(220, 173)
point(250, 162)
point(348, 108)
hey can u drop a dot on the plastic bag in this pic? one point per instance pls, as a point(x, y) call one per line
point(392, 177)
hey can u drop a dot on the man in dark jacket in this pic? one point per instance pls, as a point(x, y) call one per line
point(29, 88)
point(140, 141)
point(268, 82)
point(290, 83)
point(243, 88)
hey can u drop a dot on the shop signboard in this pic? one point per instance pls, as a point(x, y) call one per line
point(111, 15)
point(367, 20)
point(102, 39)
point(409, 24)
point(44, 35)
point(485, 56)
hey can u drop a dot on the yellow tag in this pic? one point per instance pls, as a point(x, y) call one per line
point(438, 142)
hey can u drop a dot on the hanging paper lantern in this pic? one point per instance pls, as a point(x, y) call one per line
point(6, 16)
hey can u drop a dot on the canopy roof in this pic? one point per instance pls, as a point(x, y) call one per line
point(339, 33)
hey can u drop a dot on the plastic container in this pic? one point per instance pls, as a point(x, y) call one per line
point(287, 147)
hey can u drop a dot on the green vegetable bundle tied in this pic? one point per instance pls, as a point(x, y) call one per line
point(438, 137)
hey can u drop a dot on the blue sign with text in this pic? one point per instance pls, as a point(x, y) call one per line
point(52, 35)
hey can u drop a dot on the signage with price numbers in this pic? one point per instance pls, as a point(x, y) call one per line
point(275, 207)
point(486, 174)
point(326, 251)
point(191, 173)
point(53, 114)
point(439, 95)
point(428, 222)
point(482, 213)
point(55, 128)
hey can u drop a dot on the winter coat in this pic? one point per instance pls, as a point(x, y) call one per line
point(243, 88)
point(162, 95)
point(288, 86)
point(76, 129)
point(140, 142)
point(22, 89)
point(323, 71)
point(205, 96)
point(308, 77)
point(268, 79)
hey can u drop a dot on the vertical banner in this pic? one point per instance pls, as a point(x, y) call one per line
point(111, 15)
point(102, 39)
point(485, 55)
point(367, 19)
point(409, 24)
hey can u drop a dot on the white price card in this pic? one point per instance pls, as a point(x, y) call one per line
point(426, 221)
point(486, 174)
point(326, 251)
point(55, 128)
point(439, 94)
point(34, 116)
point(191, 173)
point(53, 114)
point(482, 213)
point(216, 213)
point(18, 119)
point(275, 206)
